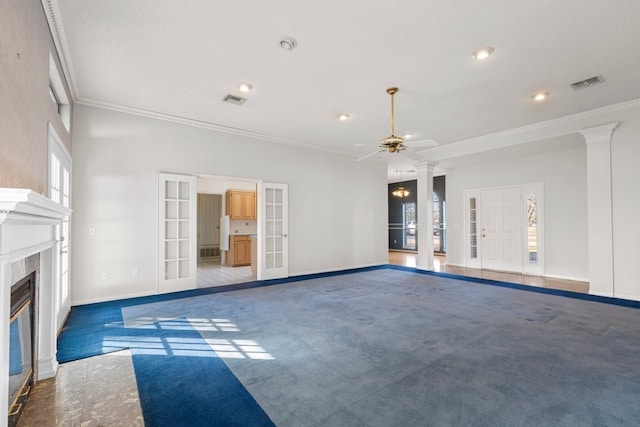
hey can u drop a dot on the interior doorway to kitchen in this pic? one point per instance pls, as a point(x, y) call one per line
point(212, 244)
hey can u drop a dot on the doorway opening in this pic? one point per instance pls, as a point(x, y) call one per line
point(215, 229)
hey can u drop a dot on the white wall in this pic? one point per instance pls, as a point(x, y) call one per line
point(337, 207)
point(219, 185)
point(563, 174)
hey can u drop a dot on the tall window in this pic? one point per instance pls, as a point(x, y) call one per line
point(409, 226)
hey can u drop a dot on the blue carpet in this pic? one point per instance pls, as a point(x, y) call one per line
point(83, 334)
point(171, 360)
point(182, 382)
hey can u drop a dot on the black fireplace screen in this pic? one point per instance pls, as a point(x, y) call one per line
point(20, 346)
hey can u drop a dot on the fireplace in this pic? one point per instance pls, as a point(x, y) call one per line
point(31, 306)
point(21, 345)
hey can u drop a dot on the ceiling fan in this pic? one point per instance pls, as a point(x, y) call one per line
point(393, 143)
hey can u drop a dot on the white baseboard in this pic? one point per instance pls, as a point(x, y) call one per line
point(556, 276)
point(112, 298)
point(601, 294)
point(333, 269)
point(629, 297)
point(47, 368)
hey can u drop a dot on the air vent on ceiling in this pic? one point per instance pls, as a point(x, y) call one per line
point(232, 99)
point(592, 81)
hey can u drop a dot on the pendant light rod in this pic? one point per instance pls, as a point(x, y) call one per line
point(392, 91)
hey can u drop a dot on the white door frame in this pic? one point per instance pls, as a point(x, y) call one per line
point(59, 190)
point(533, 259)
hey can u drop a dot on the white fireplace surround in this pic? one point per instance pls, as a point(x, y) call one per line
point(29, 225)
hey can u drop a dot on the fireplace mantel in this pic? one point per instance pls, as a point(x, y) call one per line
point(18, 204)
point(29, 225)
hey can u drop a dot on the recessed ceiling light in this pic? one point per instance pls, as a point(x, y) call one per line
point(483, 53)
point(288, 43)
point(343, 117)
point(408, 136)
point(245, 87)
point(540, 96)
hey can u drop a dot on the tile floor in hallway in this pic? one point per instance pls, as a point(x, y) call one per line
point(101, 391)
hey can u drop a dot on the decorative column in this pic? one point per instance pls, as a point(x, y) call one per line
point(600, 218)
point(425, 215)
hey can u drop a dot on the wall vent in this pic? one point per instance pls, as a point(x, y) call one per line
point(592, 81)
point(208, 252)
point(232, 99)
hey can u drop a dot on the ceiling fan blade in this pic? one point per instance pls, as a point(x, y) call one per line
point(370, 154)
point(422, 143)
point(366, 145)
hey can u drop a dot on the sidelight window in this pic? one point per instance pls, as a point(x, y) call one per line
point(409, 224)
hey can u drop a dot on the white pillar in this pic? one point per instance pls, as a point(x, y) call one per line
point(424, 260)
point(599, 204)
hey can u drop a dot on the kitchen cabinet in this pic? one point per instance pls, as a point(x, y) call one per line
point(239, 251)
point(241, 204)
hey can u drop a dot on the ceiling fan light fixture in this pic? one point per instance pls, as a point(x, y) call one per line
point(393, 143)
point(483, 53)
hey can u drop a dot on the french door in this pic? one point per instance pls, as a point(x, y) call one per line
point(273, 245)
point(177, 231)
point(60, 192)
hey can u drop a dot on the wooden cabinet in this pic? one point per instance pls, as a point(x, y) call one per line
point(239, 251)
point(241, 204)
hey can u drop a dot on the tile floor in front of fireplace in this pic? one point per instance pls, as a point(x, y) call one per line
point(98, 391)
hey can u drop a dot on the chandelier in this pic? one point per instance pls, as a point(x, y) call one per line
point(400, 192)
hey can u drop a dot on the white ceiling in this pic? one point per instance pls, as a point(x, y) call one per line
point(178, 59)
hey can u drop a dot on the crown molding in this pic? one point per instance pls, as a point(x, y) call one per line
point(207, 125)
point(56, 29)
point(506, 138)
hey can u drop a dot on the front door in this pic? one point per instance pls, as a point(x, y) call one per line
point(273, 245)
point(501, 232)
